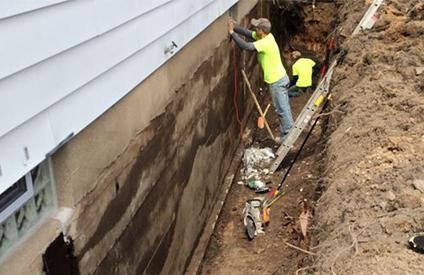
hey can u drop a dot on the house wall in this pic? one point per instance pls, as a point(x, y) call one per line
point(142, 178)
point(64, 63)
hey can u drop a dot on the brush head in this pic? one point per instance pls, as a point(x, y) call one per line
point(261, 122)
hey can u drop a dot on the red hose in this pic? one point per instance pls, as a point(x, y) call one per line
point(330, 44)
point(323, 70)
point(329, 49)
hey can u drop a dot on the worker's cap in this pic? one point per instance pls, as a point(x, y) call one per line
point(296, 54)
point(261, 23)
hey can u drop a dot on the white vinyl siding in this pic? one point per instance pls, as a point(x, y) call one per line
point(65, 63)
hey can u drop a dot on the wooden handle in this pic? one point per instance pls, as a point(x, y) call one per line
point(257, 103)
point(266, 109)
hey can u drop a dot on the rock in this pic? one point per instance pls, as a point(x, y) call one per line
point(390, 196)
point(409, 200)
point(260, 250)
point(383, 205)
point(382, 24)
point(419, 70)
point(390, 207)
point(419, 185)
point(396, 224)
point(413, 29)
point(374, 186)
point(367, 59)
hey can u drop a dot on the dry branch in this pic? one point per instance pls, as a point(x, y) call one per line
point(304, 268)
point(353, 245)
point(331, 112)
point(300, 249)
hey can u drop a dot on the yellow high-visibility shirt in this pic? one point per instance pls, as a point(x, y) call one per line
point(269, 58)
point(303, 69)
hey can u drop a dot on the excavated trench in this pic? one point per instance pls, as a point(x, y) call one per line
point(306, 29)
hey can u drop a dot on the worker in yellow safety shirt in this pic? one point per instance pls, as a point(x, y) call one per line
point(269, 58)
point(302, 71)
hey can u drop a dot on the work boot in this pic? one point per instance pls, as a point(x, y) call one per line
point(280, 140)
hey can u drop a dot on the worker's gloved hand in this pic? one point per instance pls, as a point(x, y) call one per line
point(230, 25)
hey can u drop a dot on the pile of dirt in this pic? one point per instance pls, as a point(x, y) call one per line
point(374, 176)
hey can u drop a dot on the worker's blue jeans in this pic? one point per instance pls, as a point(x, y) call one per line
point(280, 99)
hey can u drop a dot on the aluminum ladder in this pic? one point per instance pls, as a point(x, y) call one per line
point(321, 92)
point(315, 101)
point(368, 20)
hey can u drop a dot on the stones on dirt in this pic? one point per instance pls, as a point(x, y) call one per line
point(396, 224)
point(383, 205)
point(260, 250)
point(287, 219)
point(390, 196)
point(413, 29)
point(419, 185)
point(367, 59)
point(410, 200)
point(382, 24)
point(419, 70)
point(416, 12)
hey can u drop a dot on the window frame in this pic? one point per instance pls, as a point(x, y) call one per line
point(20, 199)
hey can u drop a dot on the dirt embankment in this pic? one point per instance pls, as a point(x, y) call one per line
point(374, 174)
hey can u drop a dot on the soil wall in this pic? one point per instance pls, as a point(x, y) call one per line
point(374, 170)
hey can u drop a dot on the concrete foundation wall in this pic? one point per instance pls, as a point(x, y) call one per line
point(167, 180)
point(143, 178)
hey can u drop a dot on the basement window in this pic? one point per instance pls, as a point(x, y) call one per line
point(24, 204)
